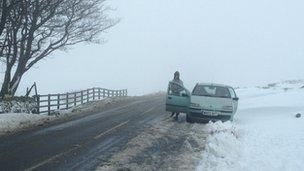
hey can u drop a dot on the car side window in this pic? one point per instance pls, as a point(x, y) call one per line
point(232, 93)
point(176, 89)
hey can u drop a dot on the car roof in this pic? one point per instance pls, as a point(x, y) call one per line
point(214, 84)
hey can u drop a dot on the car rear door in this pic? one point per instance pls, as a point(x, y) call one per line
point(178, 98)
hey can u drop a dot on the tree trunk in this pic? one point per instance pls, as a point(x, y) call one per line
point(15, 84)
point(16, 79)
point(6, 82)
point(10, 85)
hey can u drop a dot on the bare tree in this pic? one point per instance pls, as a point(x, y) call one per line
point(36, 28)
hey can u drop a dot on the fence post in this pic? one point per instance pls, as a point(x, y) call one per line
point(75, 94)
point(67, 101)
point(38, 104)
point(58, 101)
point(93, 93)
point(81, 94)
point(88, 96)
point(99, 94)
point(49, 104)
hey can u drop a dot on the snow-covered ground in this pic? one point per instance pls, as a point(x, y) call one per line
point(11, 122)
point(265, 135)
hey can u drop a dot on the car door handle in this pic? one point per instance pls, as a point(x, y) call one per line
point(169, 97)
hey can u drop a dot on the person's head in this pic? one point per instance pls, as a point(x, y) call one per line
point(176, 75)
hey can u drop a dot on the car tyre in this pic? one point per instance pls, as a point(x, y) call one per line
point(188, 119)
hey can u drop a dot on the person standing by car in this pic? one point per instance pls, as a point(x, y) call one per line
point(176, 89)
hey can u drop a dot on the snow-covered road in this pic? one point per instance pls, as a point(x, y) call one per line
point(265, 135)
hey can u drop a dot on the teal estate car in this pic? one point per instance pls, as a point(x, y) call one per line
point(207, 102)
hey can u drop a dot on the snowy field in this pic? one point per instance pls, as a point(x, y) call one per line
point(265, 135)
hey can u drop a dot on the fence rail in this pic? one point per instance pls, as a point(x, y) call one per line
point(52, 102)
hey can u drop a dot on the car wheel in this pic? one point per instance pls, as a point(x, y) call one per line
point(188, 119)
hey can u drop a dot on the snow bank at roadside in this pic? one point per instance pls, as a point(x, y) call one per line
point(11, 122)
point(265, 144)
point(223, 147)
point(265, 136)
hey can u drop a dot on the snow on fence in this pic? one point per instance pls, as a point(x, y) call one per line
point(53, 102)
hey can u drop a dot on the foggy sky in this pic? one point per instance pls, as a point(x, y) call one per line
point(236, 42)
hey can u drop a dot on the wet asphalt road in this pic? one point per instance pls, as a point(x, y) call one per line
point(80, 143)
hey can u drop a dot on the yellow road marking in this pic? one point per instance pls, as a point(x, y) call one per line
point(109, 130)
point(50, 159)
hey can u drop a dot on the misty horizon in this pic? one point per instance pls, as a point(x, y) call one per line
point(239, 43)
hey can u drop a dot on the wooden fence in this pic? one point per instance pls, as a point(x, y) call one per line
point(53, 102)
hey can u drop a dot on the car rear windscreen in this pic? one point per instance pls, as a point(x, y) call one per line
point(211, 91)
